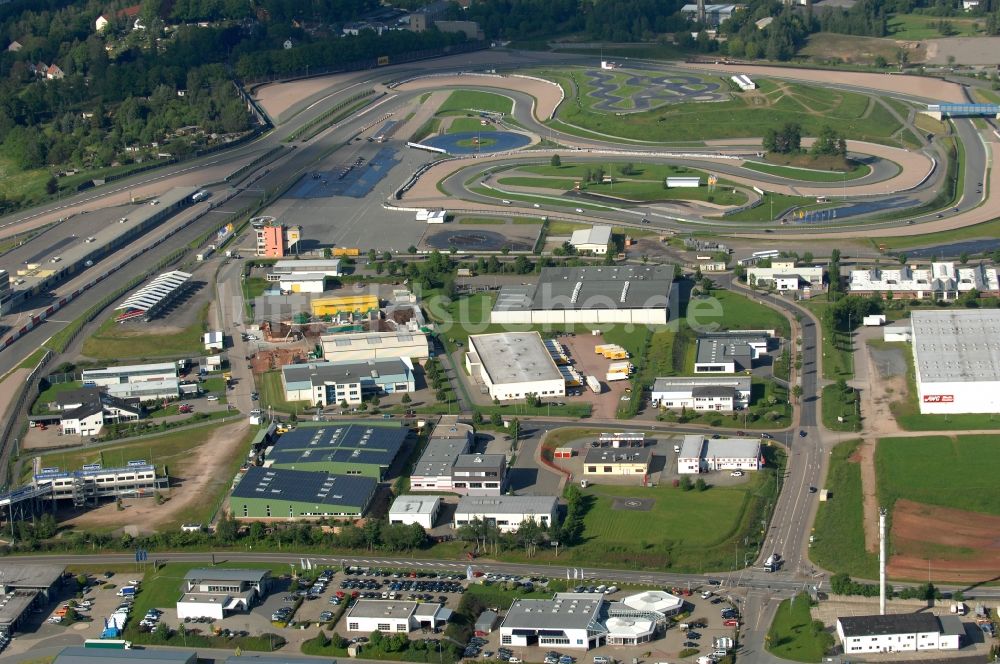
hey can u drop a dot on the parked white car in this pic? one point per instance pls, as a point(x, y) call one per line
point(736, 473)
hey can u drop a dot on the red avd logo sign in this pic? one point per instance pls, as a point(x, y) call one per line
point(939, 398)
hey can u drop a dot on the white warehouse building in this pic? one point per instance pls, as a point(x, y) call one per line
point(899, 632)
point(421, 510)
point(394, 616)
point(637, 294)
point(716, 393)
point(786, 276)
point(594, 239)
point(956, 355)
point(512, 365)
point(703, 455)
point(507, 513)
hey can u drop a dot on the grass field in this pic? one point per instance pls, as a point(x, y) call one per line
point(634, 190)
point(459, 125)
point(839, 529)
point(985, 230)
point(666, 536)
point(48, 395)
point(112, 341)
point(774, 206)
point(546, 200)
point(916, 27)
point(837, 403)
point(958, 472)
point(726, 310)
point(838, 358)
point(254, 287)
point(474, 100)
point(272, 393)
point(794, 635)
point(807, 174)
point(771, 106)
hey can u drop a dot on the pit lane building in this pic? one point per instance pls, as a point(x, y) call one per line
point(637, 294)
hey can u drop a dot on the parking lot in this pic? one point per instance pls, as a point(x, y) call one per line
point(587, 362)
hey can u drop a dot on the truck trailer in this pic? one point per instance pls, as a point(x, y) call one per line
point(108, 644)
point(594, 384)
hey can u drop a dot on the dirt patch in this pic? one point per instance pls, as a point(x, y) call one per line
point(194, 478)
point(849, 48)
point(270, 360)
point(866, 457)
point(957, 544)
point(965, 50)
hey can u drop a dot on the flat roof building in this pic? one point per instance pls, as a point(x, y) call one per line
point(217, 592)
point(84, 655)
point(899, 632)
point(15, 609)
point(625, 462)
point(395, 616)
point(134, 373)
point(704, 455)
point(507, 513)
point(786, 276)
point(343, 449)
point(594, 240)
point(276, 493)
point(422, 510)
point(365, 346)
point(479, 474)
point(449, 440)
point(331, 383)
point(729, 352)
point(512, 365)
point(568, 620)
point(942, 281)
point(712, 393)
point(638, 294)
point(956, 356)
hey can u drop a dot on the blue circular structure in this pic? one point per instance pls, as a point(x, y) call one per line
point(496, 141)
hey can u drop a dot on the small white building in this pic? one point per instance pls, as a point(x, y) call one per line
point(594, 240)
point(568, 620)
point(899, 632)
point(216, 592)
point(100, 23)
point(302, 282)
point(703, 455)
point(328, 266)
point(786, 276)
point(655, 601)
point(391, 616)
point(901, 331)
point(507, 513)
point(675, 182)
point(214, 340)
point(146, 390)
point(512, 365)
point(714, 393)
point(409, 509)
point(875, 320)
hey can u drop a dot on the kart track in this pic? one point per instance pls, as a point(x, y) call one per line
point(626, 91)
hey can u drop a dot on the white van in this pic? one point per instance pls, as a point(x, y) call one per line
point(677, 449)
point(601, 659)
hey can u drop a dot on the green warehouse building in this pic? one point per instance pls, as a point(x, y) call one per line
point(344, 449)
point(273, 493)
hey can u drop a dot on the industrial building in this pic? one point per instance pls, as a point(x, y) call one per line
point(786, 276)
point(344, 449)
point(714, 15)
point(328, 267)
point(422, 510)
point(23, 589)
point(942, 281)
point(275, 493)
point(274, 239)
point(479, 474)
point(956, 356)
point(332, 383)
point(512, 365)
point(366, 346)
point(129, 374)
point(302, 282)
point(85, 411)
point(729, 352)
point(594, 240)
point(628, 462)
point(715, 393)
point(146, 390)
point(85, 655)
point(149, 300)
point(899, 632)
point(216, 592)
point(449, 440)
point(507, 513)
point(391, 616)
point(344, 304)
point(637, 294)
point(583, 621)
point(94, 482)
point(704, 455)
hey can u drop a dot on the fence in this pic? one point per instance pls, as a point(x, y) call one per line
point(17, 415)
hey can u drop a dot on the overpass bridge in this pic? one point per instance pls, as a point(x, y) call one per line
point(941, 111)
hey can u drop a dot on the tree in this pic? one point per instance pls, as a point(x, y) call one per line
point(406, 399)
point(477, 417)
point(797, 392)
point(441, 396)
point(807, 257)
point(515, 430)
point(686, 484)
point(555, 161)
point(227, 528)
point(963, 257)
point(496, 419)
point(700, 484)
point(51, 185)
point(411, 250)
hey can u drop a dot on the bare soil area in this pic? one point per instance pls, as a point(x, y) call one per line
point(196, 476)
point(957, 544)
point(965, 50)
point(855, 49)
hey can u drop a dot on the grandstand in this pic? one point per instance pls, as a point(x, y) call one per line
point(148, 300)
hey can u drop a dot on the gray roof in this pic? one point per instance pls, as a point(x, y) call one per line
point(741, 383)
point(379, 608)
point(957, 346)
point(718, 391)
point(345, 443)
point(15, 604)
point(713, 349)
point(227, 574)
point(30, 577)
point(486, 620)
point(564, 611)
point(480, 462)
point(951, 625)
point(267, 659)
point(82, 655)
point(299, 486)
point(439, 456)
point(622, 455)
point(697, 445)
point(515, 357)
point(319, 373)
point(506, 505)
point(893, 623)
point(595, 287)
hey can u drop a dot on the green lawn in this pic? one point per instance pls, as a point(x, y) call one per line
point(475, 100)
point(762, 414)
point(640, 170)
point(459, 125)
point(48, 395)
point(837, 403)
point(113, 341)
point(838, 347)
point(916, 27)
point(959, 472)
point(272, 393)
point(256, 286)
point(739, 117)
point(633, 190)
point(795, 635)
point(986, 230)
point(839, 529)
point(775, 206)
point(727, 310)
point(807, 174)
point(541, 200)
point(685, 531)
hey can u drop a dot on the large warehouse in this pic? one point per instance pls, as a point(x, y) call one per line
point(367, 346)
point(514, 364)
point(346, 449)
point(273, 493)
point(957, 359)
point(638, 294)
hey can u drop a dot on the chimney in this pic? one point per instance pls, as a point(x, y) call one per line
point(881, 561)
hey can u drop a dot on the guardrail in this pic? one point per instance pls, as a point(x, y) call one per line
point(13, 415)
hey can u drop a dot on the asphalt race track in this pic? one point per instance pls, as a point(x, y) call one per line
point(653, 91)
